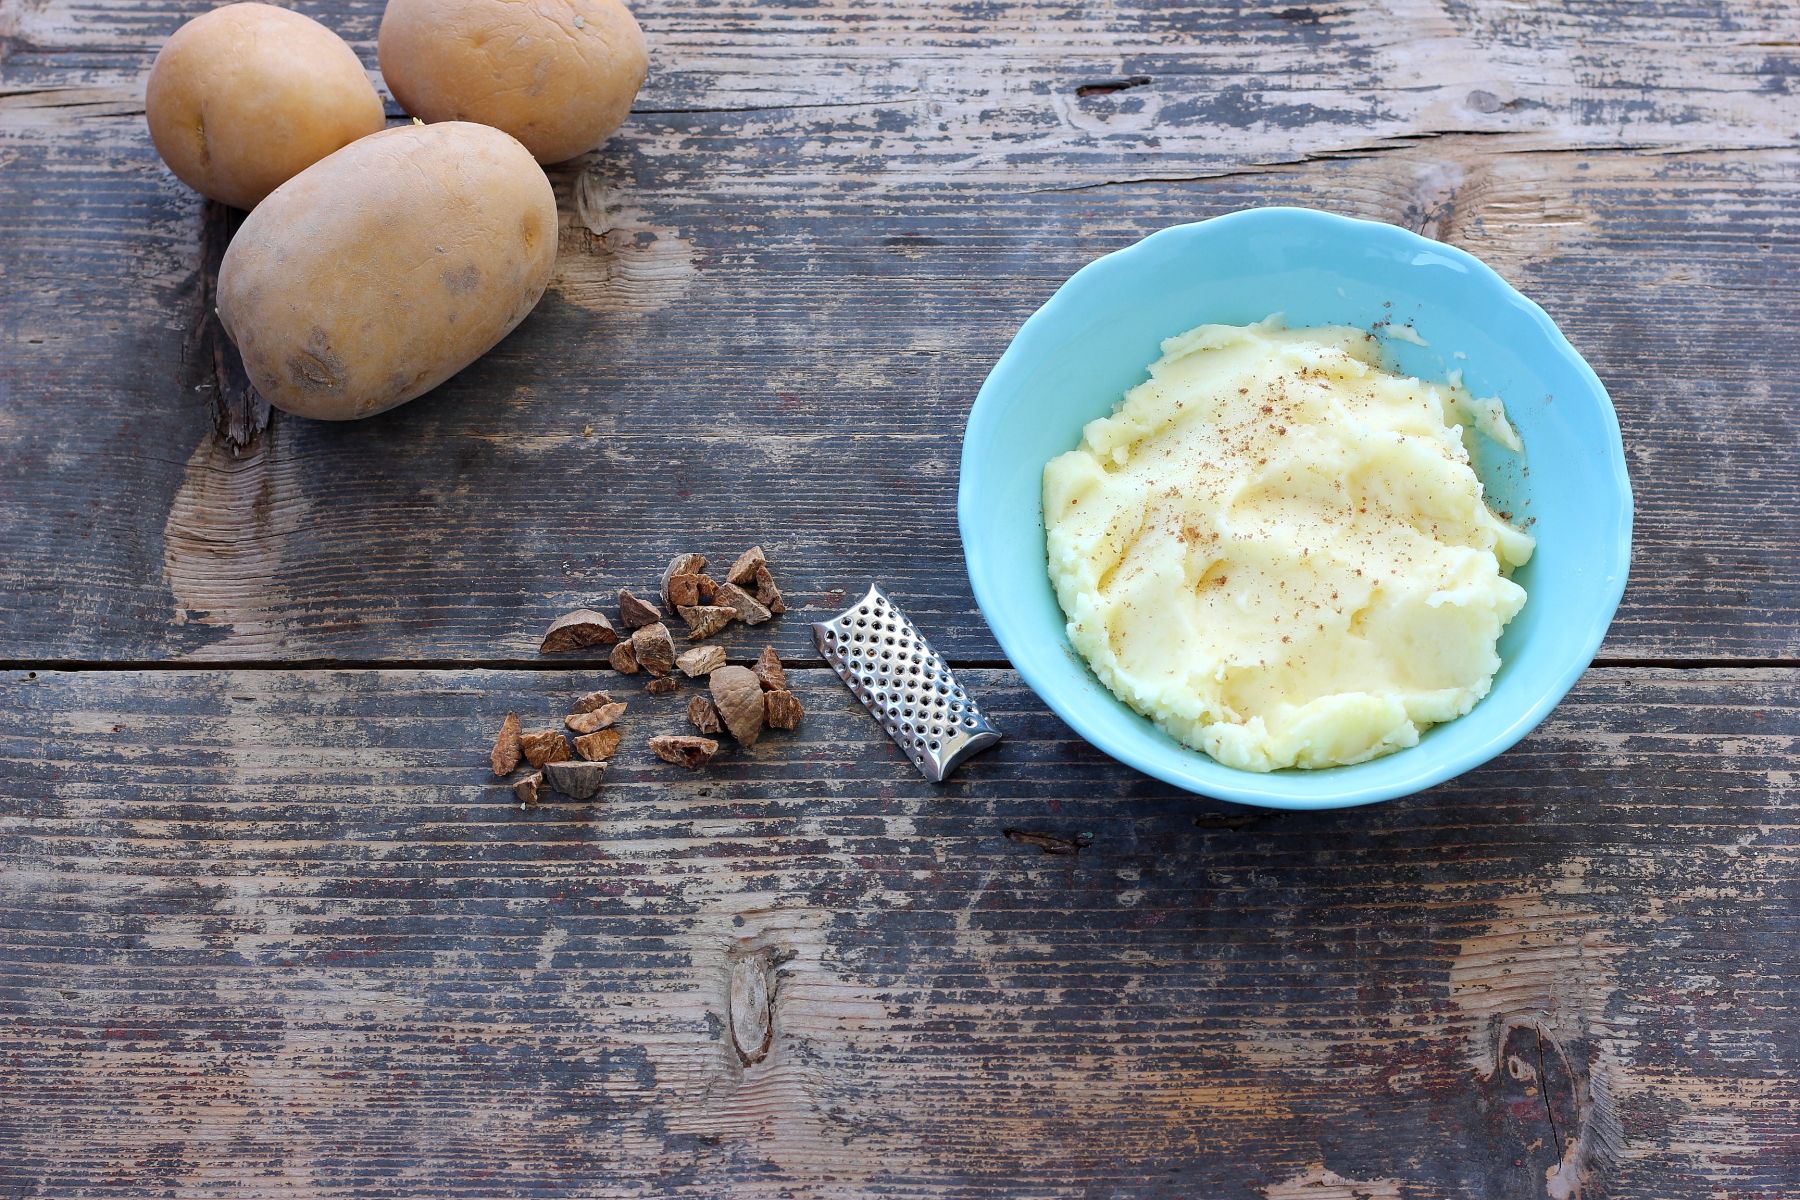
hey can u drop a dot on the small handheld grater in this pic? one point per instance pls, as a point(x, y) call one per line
point(906, 684)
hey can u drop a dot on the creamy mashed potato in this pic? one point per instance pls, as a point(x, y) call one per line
point(1279, 551)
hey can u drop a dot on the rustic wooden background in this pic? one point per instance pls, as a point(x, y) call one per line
point(267, 928)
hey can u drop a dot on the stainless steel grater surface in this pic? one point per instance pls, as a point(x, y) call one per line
point(898, 676)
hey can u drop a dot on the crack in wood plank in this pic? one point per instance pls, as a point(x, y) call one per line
point(240, 413)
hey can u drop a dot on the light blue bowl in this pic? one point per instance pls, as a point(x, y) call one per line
point(1076, 356)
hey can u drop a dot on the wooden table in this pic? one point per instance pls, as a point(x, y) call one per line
point(268, 929)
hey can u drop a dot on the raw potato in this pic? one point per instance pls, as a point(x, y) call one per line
point(559, 75)
point(376, 274)
point(243, 98)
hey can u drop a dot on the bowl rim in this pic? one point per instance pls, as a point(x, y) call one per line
point(1249, 787)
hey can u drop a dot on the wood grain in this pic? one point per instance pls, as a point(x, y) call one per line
point(271, 933)
point(820, 227)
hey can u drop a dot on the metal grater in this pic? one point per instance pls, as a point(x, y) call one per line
point(905, 683)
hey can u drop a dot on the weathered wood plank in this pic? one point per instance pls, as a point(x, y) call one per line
point(277, 933)
point(820, 228)
point(980, 92)
point(837, 356)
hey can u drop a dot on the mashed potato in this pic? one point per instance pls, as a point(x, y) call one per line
point(1279, 551)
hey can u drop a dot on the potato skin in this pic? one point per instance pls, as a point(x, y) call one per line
point(559, 75)
point(379, 272)
point(243, 98)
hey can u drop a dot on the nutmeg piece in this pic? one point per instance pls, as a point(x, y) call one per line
point(654, 648)
point(769, 672)
point(504, 758)
point(604, 717)
point(782, 710)
point(743, 571)
point(576, 630)
point(704, 620)
point(748, 609)
point(624, 658)
point(635, 613)
point(681, 564)
point(576, 780)
point(684, 750)
point(598, 746)
point(739, 699)
point(542, 746)
point(701, 660)
point(767, 594)
point(704, 716)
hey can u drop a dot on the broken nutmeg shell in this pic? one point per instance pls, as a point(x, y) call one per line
point(704, 620)
point(749, 610)
point(542, 746)
point(767, 594)
point(743, 571)
point(769, 672)
point(782, 710)
point(691, 589)
point(527, 789)
point(504, 757)
point(600, 718)
point(654, 648)
point(591, 701)
point(701, 660)
point(739, 699)
point(576, 780)
point(684, 750)
point(598, 746)
point(681, 564)
point(704, 716)
point(637, 613)
point(624, 658)
point(578, 629)
point(663, 685)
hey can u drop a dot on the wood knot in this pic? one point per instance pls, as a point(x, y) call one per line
point(1557, 1110)
point(752, 1008)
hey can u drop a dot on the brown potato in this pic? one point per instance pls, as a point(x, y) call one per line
point(243, 98)
point(558, 75)
point(379, 272)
